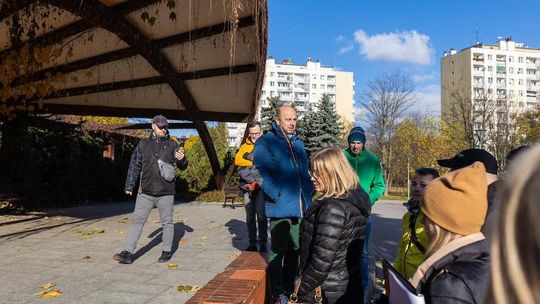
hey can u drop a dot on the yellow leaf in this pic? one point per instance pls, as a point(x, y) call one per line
point(98, 230)
point(183, 241)
point(124, 220)
point(47, 285)
point(172, 265)
point(157, 222)
point(232, 256)
point(196, 288)
point(204, 238)
point(50, 294)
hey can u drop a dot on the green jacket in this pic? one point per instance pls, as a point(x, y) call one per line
point(368, 167)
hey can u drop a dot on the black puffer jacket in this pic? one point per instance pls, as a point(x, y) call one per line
point(459, 277)
point(145, 158)
point(332, 237)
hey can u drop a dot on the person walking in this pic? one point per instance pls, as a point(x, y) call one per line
point(456, 265)
point(368, 168)
point(156, 187)
point(333, 233)
point(414, 241)
point(281, 170)
point(253, 196)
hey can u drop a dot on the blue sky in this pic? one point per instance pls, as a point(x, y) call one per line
point(374, 37)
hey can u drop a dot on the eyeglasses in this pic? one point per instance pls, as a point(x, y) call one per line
point(163, 127)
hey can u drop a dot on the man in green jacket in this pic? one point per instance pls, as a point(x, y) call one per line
point(368, 167)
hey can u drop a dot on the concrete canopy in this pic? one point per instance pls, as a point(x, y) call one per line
point(191, 60)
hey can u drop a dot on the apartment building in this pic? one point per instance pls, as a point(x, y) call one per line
point(302, 85)
point(505, 75)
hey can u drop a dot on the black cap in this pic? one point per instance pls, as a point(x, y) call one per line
point(468, 157)
point(160, 121)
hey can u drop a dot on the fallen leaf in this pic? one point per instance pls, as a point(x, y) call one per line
point(172, 265)
point(120, 231)
point(183, 241)
point(98, 230)
point(196, 288)
point(86, 257)
point(157, 222)
point(204, 238)
point(124, 220)
point(232, 256)
point(49, 294)
point(47, 285)
point(200, 243)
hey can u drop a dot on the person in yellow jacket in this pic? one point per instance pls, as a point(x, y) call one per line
point(253, 196)
point(414, 240)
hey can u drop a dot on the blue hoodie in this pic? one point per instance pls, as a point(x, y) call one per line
point(281, 169)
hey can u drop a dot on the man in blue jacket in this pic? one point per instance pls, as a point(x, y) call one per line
point(281, 170)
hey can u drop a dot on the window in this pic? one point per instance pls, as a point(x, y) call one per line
point(510, 70)
point(520, 82)
point(490, 57)
point(511, 81)
point(314, 77)
point(520, 59)
point(322, 77)
point(272, 74)
point(511, 93)
point(490, 79)
point(490, 69)
point(510, 58)
point(272, 83)
point(314, 86)
point(521, 93)
point(520, 71)
point(322, 86)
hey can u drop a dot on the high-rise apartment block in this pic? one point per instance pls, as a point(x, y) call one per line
point(302, 85)
point(504, 76)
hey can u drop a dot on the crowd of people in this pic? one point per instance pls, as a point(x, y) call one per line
point(319, 210)
point(467, 236)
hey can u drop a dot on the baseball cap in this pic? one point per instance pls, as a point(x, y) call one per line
point(160, 121)
point(468, 157)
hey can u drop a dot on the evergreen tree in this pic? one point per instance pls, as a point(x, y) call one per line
point(269, 113)
point(322, 127)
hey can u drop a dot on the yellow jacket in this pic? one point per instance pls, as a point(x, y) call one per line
point(239, 159)
point(409, 257)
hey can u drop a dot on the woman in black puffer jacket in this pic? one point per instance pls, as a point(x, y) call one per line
point(332, 232)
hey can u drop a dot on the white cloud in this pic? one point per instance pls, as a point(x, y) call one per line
point(406, 46)
point(340, 38)
point(345, 49)
point(428, 100)
point(423, 77)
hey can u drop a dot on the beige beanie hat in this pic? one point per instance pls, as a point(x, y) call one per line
point(458, 201)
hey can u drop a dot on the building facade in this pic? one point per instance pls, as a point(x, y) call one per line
point(498, 79)
point(303, 86)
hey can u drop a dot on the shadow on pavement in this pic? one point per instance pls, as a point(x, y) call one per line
point(180, 230)
point(238, 229)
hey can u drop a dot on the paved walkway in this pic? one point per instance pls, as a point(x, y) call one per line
point(55, 249)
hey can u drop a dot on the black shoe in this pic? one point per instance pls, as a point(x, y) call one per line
point(262, 247)
point(251, 248)
point(165, 256)
point(124, 257)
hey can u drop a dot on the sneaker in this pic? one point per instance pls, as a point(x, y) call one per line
point(251, 248)
point(165, 256)
point(124, 257)
point(262, 247)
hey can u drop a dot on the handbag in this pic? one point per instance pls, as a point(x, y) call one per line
point(293, 298)
point(166, 170)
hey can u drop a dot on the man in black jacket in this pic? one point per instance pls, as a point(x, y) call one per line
point(154, 189)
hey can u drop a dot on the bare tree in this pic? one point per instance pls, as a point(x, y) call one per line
point(386, 99)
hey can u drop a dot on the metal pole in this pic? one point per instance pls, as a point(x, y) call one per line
point(408, 181)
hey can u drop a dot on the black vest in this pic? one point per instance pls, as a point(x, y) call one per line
point(151, 181)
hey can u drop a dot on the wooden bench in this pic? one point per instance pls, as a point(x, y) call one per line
point(243, 281)
point(231, 193)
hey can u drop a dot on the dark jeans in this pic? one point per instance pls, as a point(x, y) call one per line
point(365, 256)
point(254, 201)
point(283, 260)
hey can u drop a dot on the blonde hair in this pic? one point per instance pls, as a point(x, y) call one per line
point(515, 268)
point(337, 175)
point(441, 238)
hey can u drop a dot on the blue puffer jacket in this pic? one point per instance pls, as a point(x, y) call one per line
point(281, 169)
